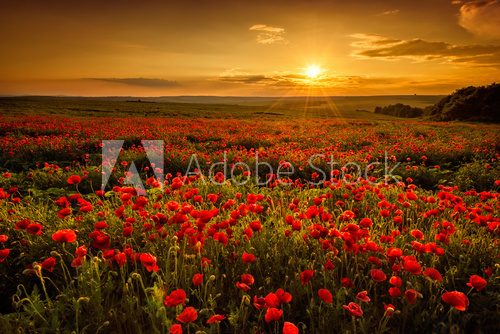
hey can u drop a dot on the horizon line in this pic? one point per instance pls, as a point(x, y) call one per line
point(219, 96)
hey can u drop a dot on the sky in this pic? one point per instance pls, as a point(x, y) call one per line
point(247, 48)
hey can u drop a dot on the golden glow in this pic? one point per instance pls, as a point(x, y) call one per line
point(163, 49)
point(313, 71)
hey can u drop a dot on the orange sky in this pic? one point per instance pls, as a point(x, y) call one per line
point(153, 48)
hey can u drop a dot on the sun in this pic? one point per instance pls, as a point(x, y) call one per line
point(313, 71)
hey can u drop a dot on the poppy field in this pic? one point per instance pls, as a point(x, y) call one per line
point(334, 246)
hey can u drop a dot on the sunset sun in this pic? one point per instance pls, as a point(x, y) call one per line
point(313, 71)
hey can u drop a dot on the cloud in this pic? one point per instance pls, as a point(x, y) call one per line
point(247, 79)
point(481, 17)
point(268, 34)
point(144, 82)
point(299, 80)
point(381, 47)
point(389, 12)
point(340, 84)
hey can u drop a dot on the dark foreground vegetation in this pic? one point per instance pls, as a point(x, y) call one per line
point(475, 104)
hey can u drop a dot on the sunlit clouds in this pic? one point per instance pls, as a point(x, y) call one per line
point(268, 34)
point(247, 48)
point(481, 18)
point(380, 47)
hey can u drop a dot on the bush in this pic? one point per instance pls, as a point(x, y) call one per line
point(470, 103)
point(400, 110)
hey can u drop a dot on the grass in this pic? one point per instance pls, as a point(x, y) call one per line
point(342, 107)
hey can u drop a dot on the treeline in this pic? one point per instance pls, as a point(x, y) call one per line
point(400, 110)
point(469, 104)
point(466, 104)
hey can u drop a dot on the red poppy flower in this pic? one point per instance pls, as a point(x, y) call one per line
point(417, 234)
point(81, 251)
point(365, 222)
point(127, 231)
point(77, 262)
point(325, 295)
point(396, 281)
point(394, 292)
point(4, 253)
point(378, 275)
point(74, 179)
point(188, 315)
point(347, 215)
point(477, 282)
point(289, 328)
point(284, 297)
point(273, 314)
point(172, 205)
point(456, 299)
point(149, 262)
point(64, 236)
point(363, 296)
point(100, 240)
point(385, 213)
point(306, 276)
point(411, 295)
point(354, 309)
point(433, 274)
point(216, 318)
point(242, 286)
point(49, 264)
point(120, 259)
point(197, 279)
point(259, 303)
point(329, 265)
point(247, 279)
point(394, 253)
point(34, 228)
point(100, 225)
point(248, 257)
point(62, 202)
point(272, 300)
point(64, 212)
point(346, 282)
point(412, 266)
point(175, 298)
point(256, 226)
point(389, 309)
point(86, 208)
point(3, 238)
point(175, 329)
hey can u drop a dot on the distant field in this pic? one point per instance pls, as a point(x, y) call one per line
point(210, 107)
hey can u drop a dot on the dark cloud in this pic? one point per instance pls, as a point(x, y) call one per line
point(282, 80)
point(143, 82)
point(243, 78)
point(376, 46)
